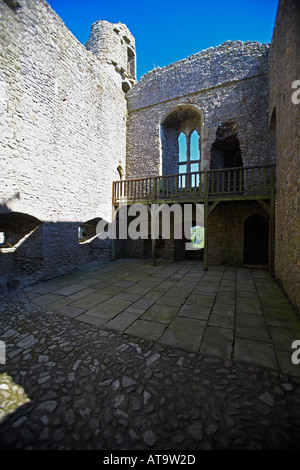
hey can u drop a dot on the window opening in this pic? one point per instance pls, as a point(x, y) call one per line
point(226, 153)
point(15, 228)
point(182, 148)
point(13, 5)
point(194, 147)
point(87, 231)
point(189, 157)
point(130, 62)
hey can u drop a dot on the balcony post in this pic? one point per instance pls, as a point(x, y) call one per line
point(154, 189)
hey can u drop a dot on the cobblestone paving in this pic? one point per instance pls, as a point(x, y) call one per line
point(70, 385)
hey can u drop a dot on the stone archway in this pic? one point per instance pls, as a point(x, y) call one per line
point(184, 121)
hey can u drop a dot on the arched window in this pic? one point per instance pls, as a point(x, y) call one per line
point(180, 141)
point(194, 151)
point(182, 152)
point(189, 156)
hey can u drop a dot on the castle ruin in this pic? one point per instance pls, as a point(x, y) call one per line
point(79, 136)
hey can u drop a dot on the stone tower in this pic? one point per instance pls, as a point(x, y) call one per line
point(113, 44)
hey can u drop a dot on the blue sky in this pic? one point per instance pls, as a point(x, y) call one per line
point(166, 31)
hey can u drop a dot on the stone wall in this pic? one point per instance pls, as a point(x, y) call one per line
point(73, 118)
point(226, 84)
point(226, 231)
point(284, 115)
point(222, 93)
point(62, 125)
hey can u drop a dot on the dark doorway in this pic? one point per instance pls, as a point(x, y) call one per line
point(256, 240)
point(226, 153)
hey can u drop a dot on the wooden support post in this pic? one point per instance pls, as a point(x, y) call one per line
point(153, 252)
point(154, 189)
point(272, 224)
point(153, 233)
point(206, 209)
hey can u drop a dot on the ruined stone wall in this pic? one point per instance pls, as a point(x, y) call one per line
point(222, 89)
point(226, 84)
point(226, 235)
point(114, 45)
point(284, 69)
point(62, 125)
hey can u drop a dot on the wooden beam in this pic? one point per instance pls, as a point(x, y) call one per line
point(154, 190)
point(264, 205)
point(211, 208)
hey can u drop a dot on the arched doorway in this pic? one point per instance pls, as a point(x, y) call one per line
point(256, 240)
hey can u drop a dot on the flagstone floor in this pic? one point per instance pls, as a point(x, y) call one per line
point(229, 313)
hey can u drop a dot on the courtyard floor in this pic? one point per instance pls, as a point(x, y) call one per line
point(228, 313)
point(127, 355)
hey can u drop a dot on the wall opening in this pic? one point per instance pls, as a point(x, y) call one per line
point(181, 142)
point(256, 240)
point(189, 156)
point(16, 227)
point(125, 86)
point(273, 120)
point(226, 153)
point(130, 62)
point(87, 230)
point(120, 172)
point(13, 4)
point(2, 238)
point(197, 237)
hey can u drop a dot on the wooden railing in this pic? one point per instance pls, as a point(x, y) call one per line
point(243, 182)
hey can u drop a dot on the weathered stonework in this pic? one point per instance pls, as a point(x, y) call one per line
point(227, 231)
point(62, 128)
point(221, 91)
point(73, 120)
point(226, 83)
point(284, 115)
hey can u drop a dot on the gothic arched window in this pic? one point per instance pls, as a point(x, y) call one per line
point(189, 156)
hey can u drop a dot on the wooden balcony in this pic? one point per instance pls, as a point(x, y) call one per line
point(243, 183)
point(256, 183)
